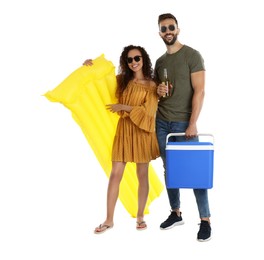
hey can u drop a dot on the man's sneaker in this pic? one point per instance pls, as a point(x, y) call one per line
point(204, 233)
point(171, 221)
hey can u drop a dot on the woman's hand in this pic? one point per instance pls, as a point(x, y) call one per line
point(88, 62)
point(118, 107)
point(114, 107)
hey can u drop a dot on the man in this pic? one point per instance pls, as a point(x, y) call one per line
point(178, 111)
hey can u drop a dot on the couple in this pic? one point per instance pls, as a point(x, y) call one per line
point(147, 115)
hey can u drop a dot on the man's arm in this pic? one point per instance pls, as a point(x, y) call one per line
point(198, 83)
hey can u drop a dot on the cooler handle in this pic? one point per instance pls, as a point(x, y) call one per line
point(182, 134)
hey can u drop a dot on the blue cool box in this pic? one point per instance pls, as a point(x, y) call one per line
point(189, 165)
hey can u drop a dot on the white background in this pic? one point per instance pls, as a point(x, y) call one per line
point(52, 189)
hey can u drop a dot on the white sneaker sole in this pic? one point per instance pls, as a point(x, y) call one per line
point(204, 240)
point(173, 225)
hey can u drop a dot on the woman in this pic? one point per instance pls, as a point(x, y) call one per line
point(135, 139)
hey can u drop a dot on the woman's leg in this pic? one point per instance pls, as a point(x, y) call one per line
point(143, 189)
point(112, 194)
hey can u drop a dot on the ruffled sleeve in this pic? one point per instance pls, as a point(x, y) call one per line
point(144, 115)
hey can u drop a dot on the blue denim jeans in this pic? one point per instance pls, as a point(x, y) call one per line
point(163, 128)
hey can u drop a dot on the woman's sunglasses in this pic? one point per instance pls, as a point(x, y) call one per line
point(136, 58)
point(171, 27)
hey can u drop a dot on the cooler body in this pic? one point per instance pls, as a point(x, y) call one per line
point(189, 165)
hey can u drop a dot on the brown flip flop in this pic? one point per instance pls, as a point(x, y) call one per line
point(141, 225)
point(102, 228)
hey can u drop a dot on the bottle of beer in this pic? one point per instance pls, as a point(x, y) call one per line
point(166, 81)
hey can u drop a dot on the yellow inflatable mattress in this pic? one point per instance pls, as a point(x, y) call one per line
point(85, 92)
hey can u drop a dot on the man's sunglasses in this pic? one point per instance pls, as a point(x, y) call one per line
point(163, 29)
point(136, 58)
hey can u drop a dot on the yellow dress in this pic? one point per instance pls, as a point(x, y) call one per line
point(135, 139)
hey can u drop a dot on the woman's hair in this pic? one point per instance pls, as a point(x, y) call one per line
point(125, 74)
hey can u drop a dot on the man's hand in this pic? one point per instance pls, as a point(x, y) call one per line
point(162, 90)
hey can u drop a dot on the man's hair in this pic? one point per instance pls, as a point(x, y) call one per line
point(167, 16)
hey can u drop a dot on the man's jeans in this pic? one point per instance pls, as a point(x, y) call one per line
point(163, 128)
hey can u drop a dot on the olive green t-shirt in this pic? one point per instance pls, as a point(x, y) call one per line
point(180, 65)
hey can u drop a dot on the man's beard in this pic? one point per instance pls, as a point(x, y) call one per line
point(174, 39)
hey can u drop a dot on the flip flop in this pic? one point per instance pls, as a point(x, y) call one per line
point(102, 228)
point(141, 225)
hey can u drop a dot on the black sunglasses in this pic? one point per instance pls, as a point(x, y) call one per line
point(136, 58)
point(163, 29)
